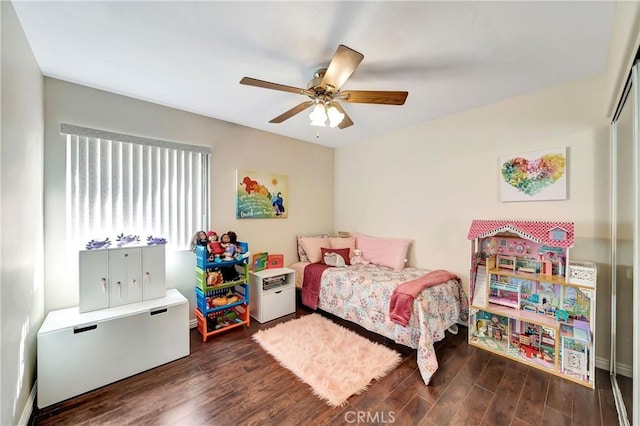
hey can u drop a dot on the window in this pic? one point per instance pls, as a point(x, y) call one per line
point(121, 184)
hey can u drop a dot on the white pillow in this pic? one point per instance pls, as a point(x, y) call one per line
point(312, 246)
point(302, 256)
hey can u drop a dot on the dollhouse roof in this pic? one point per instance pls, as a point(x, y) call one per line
point(540, 232)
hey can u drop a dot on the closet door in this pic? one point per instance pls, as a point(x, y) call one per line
point(625, 253)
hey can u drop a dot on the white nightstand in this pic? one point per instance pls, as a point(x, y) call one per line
point(272, 293)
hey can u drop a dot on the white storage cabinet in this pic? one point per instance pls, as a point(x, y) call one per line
point(272, 293)
point(79, 352)
point(119, 276)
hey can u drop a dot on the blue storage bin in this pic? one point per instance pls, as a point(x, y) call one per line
point(201, 257)
point(201, 297)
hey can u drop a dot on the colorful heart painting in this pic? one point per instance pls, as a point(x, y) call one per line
point(532, 176)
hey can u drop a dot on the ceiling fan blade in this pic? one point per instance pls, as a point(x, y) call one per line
point(346, 121)
point(343, 64)
point(373, 97)
point(274, 86)
point(293, 111)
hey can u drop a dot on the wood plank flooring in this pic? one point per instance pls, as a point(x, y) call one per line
point(230, 380)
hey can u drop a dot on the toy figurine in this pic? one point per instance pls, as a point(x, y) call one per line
point(127, 239)
point(214, 277)
point(156, 241)
point(96, 244)
point(357, 258)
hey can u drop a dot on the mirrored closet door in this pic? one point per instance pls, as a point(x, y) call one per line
point(625, 252)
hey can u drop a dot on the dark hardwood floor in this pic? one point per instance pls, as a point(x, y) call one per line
point(230, 380)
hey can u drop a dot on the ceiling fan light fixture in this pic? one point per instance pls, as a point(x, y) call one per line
point(335, 116)
point(318, 116)
point(326, 95)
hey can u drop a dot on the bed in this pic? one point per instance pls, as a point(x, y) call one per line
point(362, 294)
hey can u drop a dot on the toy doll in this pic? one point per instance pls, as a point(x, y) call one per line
point(213, 245)
point(233, 239)
point(229, 243)
point(199, 239)
point(228, 246)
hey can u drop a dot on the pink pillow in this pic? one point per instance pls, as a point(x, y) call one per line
point(343, 242)
point(344, 252)
point(390, 252)
point(312, 245)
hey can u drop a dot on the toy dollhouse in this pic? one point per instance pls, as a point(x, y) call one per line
point(529, 301)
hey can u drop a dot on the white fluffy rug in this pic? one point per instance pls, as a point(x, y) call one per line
point(333, 360)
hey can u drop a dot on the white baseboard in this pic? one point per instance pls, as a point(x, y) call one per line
point(602, 363)
point(622, 369)
point(625, 370)
point(28, 407)
point(193, 323)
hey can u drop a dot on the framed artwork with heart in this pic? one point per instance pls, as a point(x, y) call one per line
point(534, 176)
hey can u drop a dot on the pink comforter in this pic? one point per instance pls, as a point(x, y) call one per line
point(404, 294)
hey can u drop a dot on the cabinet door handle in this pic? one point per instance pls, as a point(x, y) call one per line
point(278, 292)
point(133, 282)
point(77, 330)
point(119, 289)
point(147, 277)
point(104, 285)
point(159, 311)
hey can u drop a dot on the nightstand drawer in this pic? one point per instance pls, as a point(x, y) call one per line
point(277, 304)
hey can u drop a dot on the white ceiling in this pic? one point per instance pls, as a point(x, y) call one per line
point(449, 56)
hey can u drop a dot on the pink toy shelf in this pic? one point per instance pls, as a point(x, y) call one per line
point(529, 301)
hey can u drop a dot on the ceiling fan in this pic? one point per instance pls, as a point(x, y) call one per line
point(324, 91)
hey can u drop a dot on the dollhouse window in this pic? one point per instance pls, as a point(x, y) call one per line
point(127, 184)
point(558, 234)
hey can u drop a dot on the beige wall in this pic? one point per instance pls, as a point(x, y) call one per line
point(308, 166)
point(21, 254)
point(429, 182)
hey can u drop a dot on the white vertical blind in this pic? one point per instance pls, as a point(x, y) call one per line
point(126, 184)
